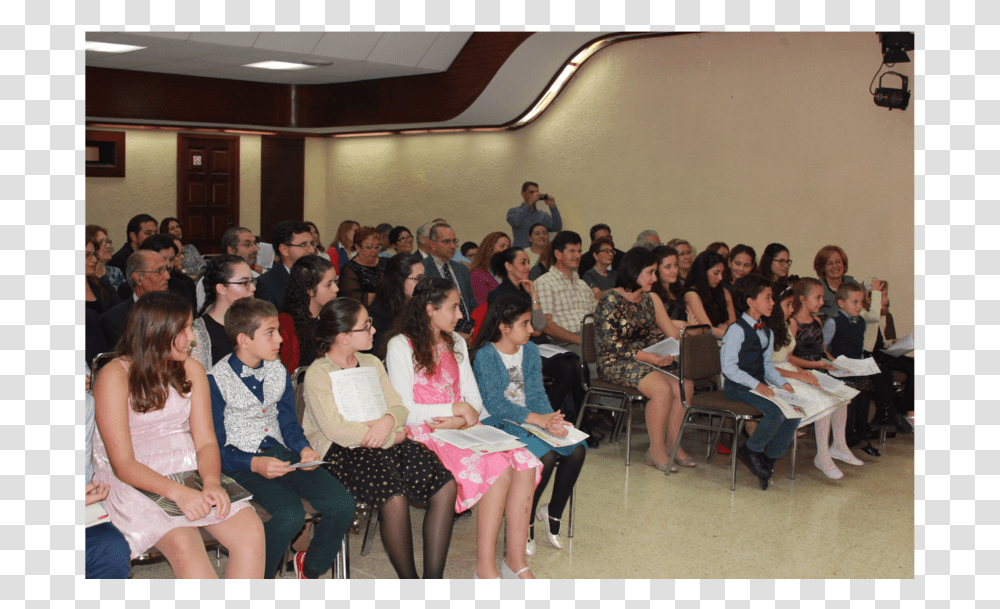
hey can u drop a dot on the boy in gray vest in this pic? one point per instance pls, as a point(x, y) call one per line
point(253, 405)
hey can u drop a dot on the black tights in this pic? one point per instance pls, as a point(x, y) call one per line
point(567, 471)
point(564, 370)
point(397, 537)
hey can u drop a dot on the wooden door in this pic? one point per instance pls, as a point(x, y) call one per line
point(208, 188)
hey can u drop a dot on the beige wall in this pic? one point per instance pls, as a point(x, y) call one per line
point(737, 137)
point(150, 183)
point(748, 138)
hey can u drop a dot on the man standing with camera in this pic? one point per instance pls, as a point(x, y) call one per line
point(525, 215)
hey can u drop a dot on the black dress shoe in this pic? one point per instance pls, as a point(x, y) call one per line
point(753, 461)
point(871, 450)
point(769, 462)
point(763, 482)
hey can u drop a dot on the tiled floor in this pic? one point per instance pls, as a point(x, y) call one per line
point(634, 522)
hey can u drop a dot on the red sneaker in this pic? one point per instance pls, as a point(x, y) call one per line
point(723, 450)
point(299, 562)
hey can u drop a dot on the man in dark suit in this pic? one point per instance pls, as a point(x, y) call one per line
point(587, 260)
point(145, 271)
point(442, 241)
point(139, 227)
point(291, 240)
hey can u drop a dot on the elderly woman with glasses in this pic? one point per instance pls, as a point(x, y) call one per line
point(685, 258)
point(104, 250)
point(830, 265)
point(361, 275)
point(227, 279)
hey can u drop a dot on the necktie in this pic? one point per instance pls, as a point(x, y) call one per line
point(257, 373)
point(446, 272)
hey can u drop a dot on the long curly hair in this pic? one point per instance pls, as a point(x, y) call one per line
point(392, 289)
point(482, 259)
point(219, 270)
point(306, 274)
point(415, 324)
point(776, 320)
point(670, 295)
point(713, 299)
point(505, 310)
point(147, 342)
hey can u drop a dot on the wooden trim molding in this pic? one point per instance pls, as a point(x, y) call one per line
point(109, 149)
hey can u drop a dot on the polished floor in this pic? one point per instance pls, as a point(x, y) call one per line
point(634, 522)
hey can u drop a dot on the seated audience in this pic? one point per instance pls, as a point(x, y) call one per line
point(228, 278)
point(374, 459)
point(99, 235)
point(343, 247)
point(253, 406)
point(479, 272)
point(193, 264)
point(430, 368)
point(138, 228)
point(318, 243)
point(748, 365)
point(545, 260)
point(313, 283)
point(107, 552)
point(830, 265)
point(599, 277)
point(587, 260)
point(538, 237)
point(668, 286)
point(509, 372)
point(563, 295)
point(179, 283)
point(524, 216)
point(402, 274)
point(98, 293)
point(719, 247)
point(240, 242)
point(400, 242)
point(361, 275)
point(685, 258)
point(629, 319)
point(442, 243)
point(154, 418)
point(706, 301)
point(742, 259)
point(292, 240)
point(146, 272)
point(775, 264)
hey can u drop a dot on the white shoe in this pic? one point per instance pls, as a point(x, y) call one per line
point(848, 458)
point(508, 573)
point(529, 550)
point(542, 514)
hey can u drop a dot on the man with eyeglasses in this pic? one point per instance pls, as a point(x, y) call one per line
point(179, 283)
point(238, 241)
point(587, 261)
point(292, 240)
point(146, 271)
point(443, 242)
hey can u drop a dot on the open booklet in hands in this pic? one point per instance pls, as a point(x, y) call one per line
point(573, 434)
point(481, 439)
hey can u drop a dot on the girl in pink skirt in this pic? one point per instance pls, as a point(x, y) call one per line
point(430, 368)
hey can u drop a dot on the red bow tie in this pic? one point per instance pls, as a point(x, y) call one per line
point(758, 326)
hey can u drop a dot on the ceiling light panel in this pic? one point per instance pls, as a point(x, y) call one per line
point(278, 65)
point(110, 47)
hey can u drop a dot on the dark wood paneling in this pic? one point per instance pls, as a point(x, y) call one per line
point(134, 95)
point(117, 139)
point(282, 181)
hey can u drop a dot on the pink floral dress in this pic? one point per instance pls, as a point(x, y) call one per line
point(474, 473)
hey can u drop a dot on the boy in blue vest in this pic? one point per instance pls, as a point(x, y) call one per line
point(844, 334)
point(253, 406)
point(747, 350)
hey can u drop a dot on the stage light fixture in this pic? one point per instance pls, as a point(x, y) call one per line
point(890, 98)
point(895, 45)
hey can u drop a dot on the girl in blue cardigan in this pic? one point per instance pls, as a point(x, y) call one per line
point(509, 373)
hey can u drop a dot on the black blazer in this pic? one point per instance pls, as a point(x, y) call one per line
point(273, 284)
point(464, 287)
point(121, 256)
point(113, 321)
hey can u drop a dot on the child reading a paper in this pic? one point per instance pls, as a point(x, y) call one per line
point(429, 366)
point(355, 418)
point(253, 404)
point(844, 335)
point(880, 333)
point(747, 354)
point(508, 370)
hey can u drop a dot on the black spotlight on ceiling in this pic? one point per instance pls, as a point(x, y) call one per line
point(890, 98)
point(895, 45)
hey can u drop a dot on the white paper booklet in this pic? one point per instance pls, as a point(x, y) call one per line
point(790, 411)
point(308, 464)
point(847, 367)
point(832, 385)
point(901, 347)
point(573, 436)
point(551, 350)
point(482, 439)
point(358, 394)
point(96, 514)
point(664, 348)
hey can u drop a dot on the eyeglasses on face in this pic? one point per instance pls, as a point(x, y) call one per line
point(246, 283)
point(103, 242)
point(247, 243)
point(366, 328)
point(783, 262)
point(307, 244)
point(156, 271)
point(371, 247)
point(604, 251)
point(406, 238)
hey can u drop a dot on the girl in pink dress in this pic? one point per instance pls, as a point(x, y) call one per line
point(430, 368)
point(154, 418)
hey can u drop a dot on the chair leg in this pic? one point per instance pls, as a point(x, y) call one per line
point(737, 427)
point(881, 440)
point(628, 433)
point(341, 566)
point(677, 443)
point(572, 511)
point(366, 545)
point(795, 450)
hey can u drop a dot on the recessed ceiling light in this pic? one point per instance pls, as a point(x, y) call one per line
point(110, 47)
point(277, 65)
